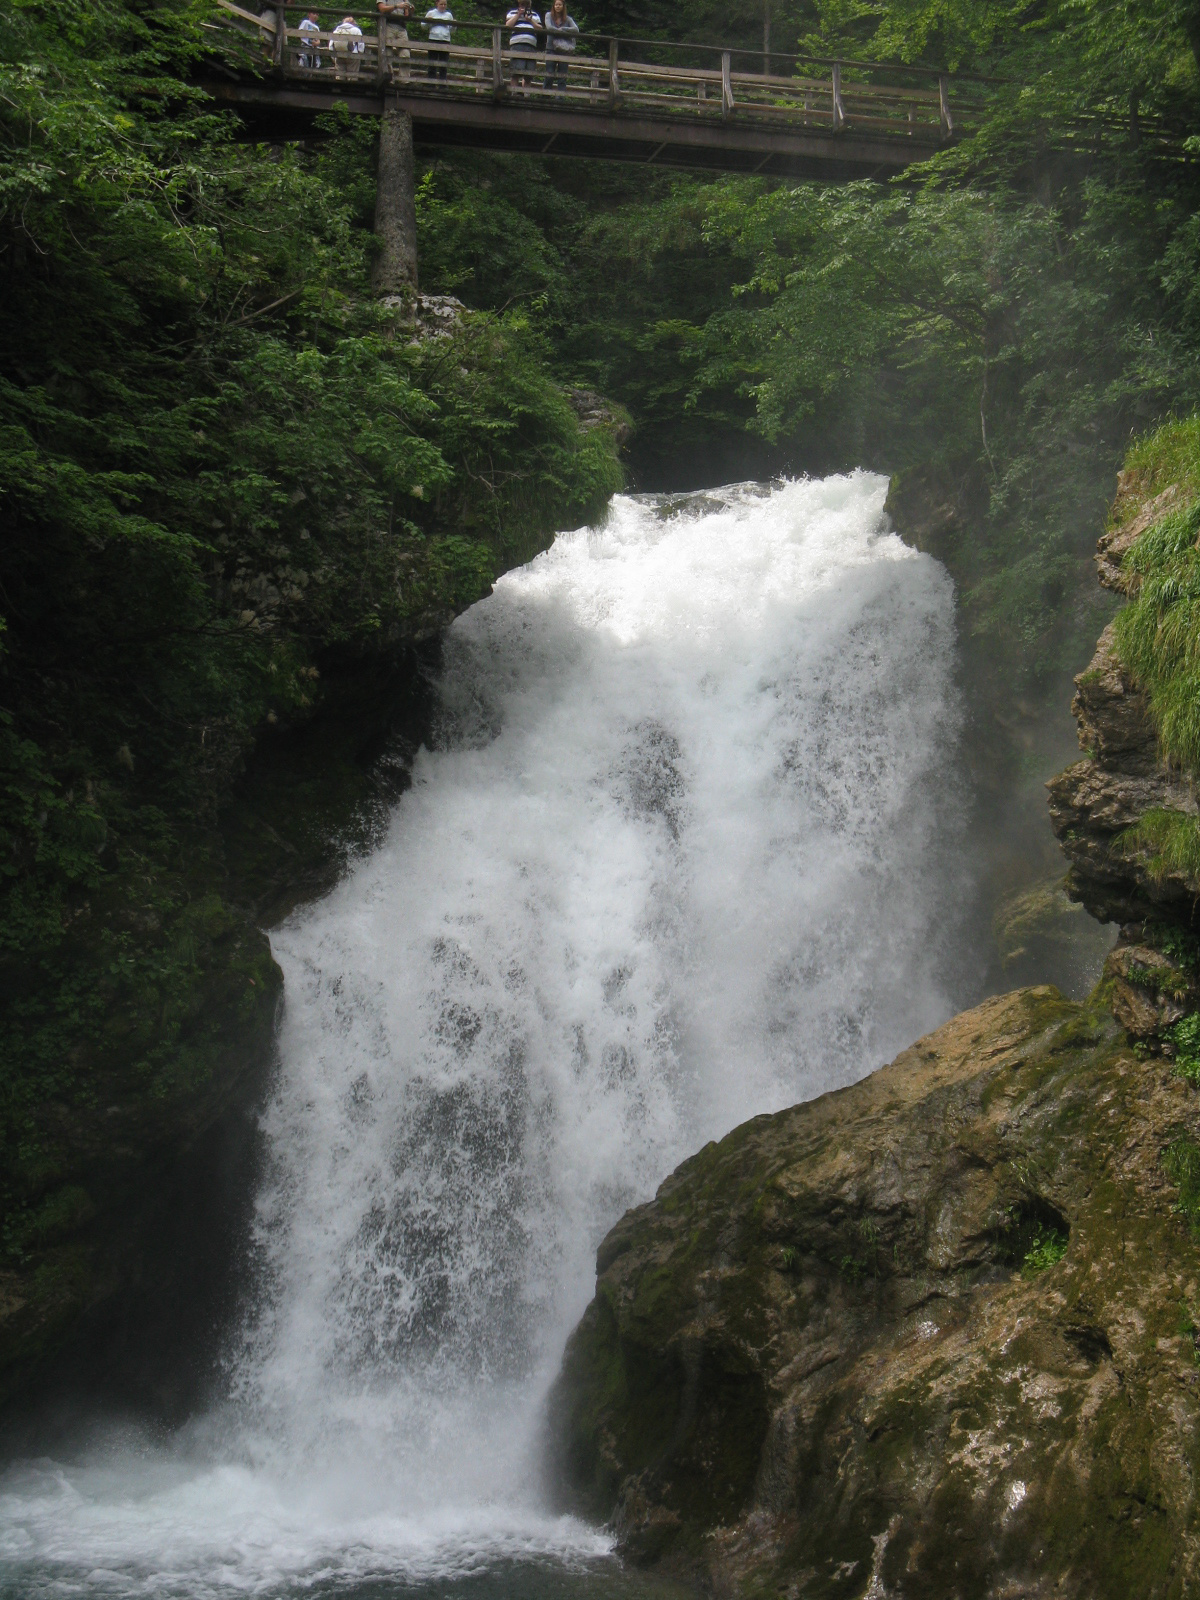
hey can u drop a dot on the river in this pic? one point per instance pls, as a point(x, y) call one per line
point(687, 846)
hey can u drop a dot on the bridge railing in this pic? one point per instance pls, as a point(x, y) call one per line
point(607, 75)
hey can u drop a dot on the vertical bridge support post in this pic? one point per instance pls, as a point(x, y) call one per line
point(395, 270)
point(839, 110)
point(279, 53)
point(381, 65)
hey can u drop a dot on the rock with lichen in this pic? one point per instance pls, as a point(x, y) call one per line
point(929, 1336)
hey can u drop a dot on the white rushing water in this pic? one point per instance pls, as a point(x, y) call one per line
point(685, 852)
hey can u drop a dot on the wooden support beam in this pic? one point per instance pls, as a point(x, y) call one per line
point(839, 110)
point(737, 144)
point(726, 86)
point(947, 120)
point(614, 82)
point(381, 65)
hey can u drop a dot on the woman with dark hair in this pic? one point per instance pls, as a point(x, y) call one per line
point(561, 30)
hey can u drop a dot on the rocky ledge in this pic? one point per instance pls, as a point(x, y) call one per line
point(929, 1336)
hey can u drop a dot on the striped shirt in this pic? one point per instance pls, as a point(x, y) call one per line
point(524, 30)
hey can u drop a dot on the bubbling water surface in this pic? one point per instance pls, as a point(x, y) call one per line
point(684, 851)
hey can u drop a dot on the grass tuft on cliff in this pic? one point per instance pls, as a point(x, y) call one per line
point(1158, 633)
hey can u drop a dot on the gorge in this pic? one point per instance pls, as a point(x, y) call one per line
point(493, 785)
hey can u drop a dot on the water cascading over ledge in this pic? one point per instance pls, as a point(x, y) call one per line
point(684, 851)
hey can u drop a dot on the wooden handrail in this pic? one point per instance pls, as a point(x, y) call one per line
point(906, 68)
point(613, 83)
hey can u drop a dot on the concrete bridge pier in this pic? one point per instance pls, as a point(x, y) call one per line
point(395, 269)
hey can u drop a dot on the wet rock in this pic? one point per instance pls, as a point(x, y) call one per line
point(1095, 803)
point(933, 505)
point(1115, 722)
point(1146, 990)
point(594, 411)
point(928, 1336)
point(1117, 540)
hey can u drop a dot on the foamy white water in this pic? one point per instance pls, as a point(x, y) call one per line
point(686, 852)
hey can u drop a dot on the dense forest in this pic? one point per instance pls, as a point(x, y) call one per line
point(235, 487)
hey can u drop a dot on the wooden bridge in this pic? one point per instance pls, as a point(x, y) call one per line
point(680, 105)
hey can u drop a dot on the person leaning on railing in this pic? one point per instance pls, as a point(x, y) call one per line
point(310, 32)
point(398, 14)
point(525, 25)
point(439, 24)
point(561, 30)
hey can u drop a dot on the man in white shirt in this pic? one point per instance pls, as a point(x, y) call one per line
point(439, 24)
point(310, 27)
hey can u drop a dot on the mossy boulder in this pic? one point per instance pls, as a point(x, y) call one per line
point(928, 1336)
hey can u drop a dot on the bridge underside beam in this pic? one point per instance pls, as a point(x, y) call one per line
point(500, 125)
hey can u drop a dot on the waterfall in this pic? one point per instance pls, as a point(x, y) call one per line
point(684, 849)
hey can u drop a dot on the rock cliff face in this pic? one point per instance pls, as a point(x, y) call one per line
point(1094, 803)
point(930, 1336)
point(1099, 807)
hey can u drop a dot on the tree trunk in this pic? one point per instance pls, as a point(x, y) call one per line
point(395, 270)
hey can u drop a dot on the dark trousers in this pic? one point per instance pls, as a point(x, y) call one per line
point(437, 58)
point(556, 74)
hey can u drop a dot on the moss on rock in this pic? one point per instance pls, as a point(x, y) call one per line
point(920, 1337)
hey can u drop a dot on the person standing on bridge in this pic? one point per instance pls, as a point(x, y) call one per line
point(346, 41)
point(398, 14)
point(523, 40)
point(310, 32)
point(439, 24)
point(561, 30)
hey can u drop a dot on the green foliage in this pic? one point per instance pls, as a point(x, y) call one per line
point(1170, 840)
point(1180, 945)
point(1181, 1162)
point(225, 477)
point(1185, 1036)
point(1048, 1248)
point(1157, 632)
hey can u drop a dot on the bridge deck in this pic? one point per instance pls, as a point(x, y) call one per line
point(830, 121)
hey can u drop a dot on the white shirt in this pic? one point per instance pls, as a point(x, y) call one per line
point(351, 27)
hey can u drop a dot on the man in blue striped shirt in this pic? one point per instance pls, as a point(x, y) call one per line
point(525, 25)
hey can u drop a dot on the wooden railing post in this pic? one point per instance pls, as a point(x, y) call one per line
point(614, 82)
point(944, 109)
point(280, 38)
point(497, 64)
point(726, 86)
point(381, 66)
point(839, 111)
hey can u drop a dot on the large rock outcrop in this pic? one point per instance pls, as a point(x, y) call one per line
point(1114, 812)
point(930, 1336)
point(1095, 803)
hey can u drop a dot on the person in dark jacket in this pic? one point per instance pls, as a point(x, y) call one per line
point(561, 31)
